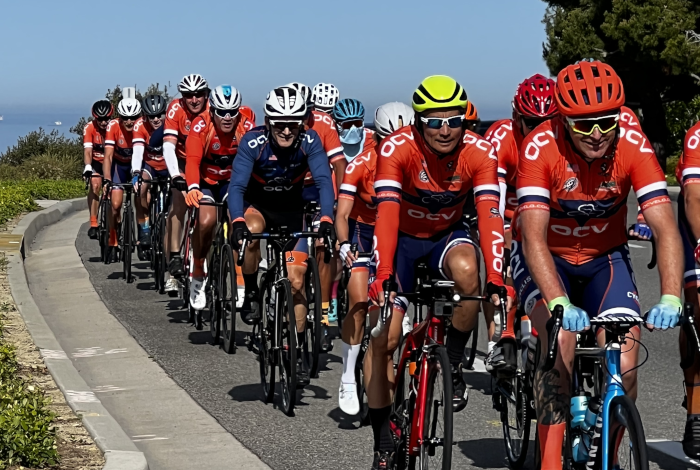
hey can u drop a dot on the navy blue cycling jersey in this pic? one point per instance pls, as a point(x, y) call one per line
point(273, 178)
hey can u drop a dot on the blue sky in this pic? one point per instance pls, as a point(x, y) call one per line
point(64, 55)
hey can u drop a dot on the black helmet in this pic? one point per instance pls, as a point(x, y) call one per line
point(102, 109)
point(154, 105)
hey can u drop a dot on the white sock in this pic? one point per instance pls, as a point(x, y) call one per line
point(491, 345)
point(350, 354)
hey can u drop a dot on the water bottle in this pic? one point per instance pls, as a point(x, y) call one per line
point(587, 428)
point(578, 409)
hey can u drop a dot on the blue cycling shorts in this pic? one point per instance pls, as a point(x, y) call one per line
point(121, 173)
point(153, 173)
point(363, 235)
point(604, 286)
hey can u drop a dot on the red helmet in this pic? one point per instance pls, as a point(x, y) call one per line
point(470, 114)
point(588, 88)
point(535, 98)
point(248, 113)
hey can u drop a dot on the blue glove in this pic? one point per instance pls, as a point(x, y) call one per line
point(666, 313)
point(643, 230)
point(135, 180)
point(575, 319)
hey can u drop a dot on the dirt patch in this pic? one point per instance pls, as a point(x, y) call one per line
point(76, 448)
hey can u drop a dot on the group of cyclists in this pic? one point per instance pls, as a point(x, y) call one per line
point(548, 189)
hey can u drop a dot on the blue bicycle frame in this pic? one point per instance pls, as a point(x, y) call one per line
point(613, 388)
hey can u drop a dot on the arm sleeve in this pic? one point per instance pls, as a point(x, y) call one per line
point(387, 186)
point(171, 159)
point(240, 176)
point(137, 157)
point(170, 125)
point(487, 197)
point(194, 149)
point(502, 189)
point(321, 172)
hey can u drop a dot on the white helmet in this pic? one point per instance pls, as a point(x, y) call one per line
point(192, 83)
point(325, 96)
point(285, 102)
point(129, 107)
point(303, 89)
point(392, 116)
point(225, 97)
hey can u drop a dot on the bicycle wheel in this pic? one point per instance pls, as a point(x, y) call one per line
point(360, 380)
point(103, 228)
point(287, 346)
point(312, 344)
point(227, 311)
point(436, 444)
point(127, 239)
point(470, 349)
point(159, 254)
point(343, 300)
point(266, 356)
point(216, 278)
point(402, 413)
point(627, 430)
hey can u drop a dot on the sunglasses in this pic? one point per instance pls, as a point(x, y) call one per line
point(359, 123)
point(282, 125)
point(437, 123)
point(587, 126)
point(199, 94)
point(130, 118)
point(153, 118)
point(225, 113)
point(103, 119)
point(531, 123)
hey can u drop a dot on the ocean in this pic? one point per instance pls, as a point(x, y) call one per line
point(18, 124)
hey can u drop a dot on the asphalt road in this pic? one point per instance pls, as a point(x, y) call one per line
point(320, 435)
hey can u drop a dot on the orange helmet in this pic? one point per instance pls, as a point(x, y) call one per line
point(588, 88)
point(471, 114)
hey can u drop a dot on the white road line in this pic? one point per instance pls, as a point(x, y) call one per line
point(81, 397)
point(53, 354)
point(672, 449)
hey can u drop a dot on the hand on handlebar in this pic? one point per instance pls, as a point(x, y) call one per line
point(497, 293)
point(665, 314)
point(346, 254)
point(575, 319)
point(193, 197)
point(376, 292)
point(238, 231)
point(640, 231)
point(87, 172)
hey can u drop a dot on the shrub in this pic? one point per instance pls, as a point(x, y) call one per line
point(39, 142)
point(14, 200)
point(26, 434)
point(18, 196)
point(46, 166)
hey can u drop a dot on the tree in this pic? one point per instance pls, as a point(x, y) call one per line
point(154, 89)
point(114, 96)
point(651, 44)
point(80, 126)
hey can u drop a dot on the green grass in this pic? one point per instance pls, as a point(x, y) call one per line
point(17, 197)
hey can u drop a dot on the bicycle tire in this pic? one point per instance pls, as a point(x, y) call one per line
point(402, 409)
point(516, 440)
point(127, 223)
point(625, 416)
point(217, 278)
point(228, 287)
point(287, 363)
point(311, 349)
point(363, 415)
point(159, 254)
point(439, 396)
point(343, 301)
point(470, 349)
point(266, 358)
point(103, 228)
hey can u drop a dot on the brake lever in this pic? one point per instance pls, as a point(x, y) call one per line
point(553, 328)
point(691, 335)
point(329, 249)
point(242, 249)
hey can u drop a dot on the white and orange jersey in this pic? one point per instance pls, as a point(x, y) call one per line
point(506, 138)
point(94, 138)
point(422, 195)
point(121, 139)
point(324, 126)
point(587, 202)
point(152, 141)
point(688, 169)
point(178, 121)
point(358, 186)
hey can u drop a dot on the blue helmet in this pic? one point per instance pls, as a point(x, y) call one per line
point(348, 109)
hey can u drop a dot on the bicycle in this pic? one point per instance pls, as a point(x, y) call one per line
point(127, 233)
point(423, 385)
point(102, 225)
point(276, 331)
point(603, 411)
point(318, 331)
point(158, 213)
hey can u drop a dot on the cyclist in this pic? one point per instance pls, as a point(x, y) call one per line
point(211, 147)
point(324, 96)
point(471, 117)
point(178, 121)
point(574, 175)
point(119, 145)
point(355, 225)
point(94, 144)
point(688, 174)
point(349, 116)
point(423, 175)
point(533, 104)
point(268, 176)
point(147, 162)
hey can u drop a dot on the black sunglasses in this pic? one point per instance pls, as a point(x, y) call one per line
point(159, 116)
point(531, 123)
point(104, 119)
point(129, 118)
point(199, 94)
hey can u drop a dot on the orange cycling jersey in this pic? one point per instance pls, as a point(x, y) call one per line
point(688, 169)
point(121, 139)
point(210, 152)
point(178, 121)
point(587, 202)
point(94, 138)
point(358, 186)
point(249, 115)
point(151, 155)
point(506, 138)
point(422, 195)
point(325, 128)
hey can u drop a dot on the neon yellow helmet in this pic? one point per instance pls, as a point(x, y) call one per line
point(438, 92)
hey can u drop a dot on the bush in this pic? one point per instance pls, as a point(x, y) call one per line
point(14, 200)
point(18, 196)
point(26, 434)
point(38, 143)
point(46, 166)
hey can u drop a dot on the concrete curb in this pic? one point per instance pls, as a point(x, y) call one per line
point(119, 450)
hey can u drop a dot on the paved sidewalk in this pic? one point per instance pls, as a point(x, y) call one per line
point(172, 430)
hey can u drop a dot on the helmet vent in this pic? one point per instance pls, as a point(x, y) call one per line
point(595, 72)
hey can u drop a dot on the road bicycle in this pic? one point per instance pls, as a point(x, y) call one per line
point(158, 207)
point(102, 224)
point(276, 332)
point(127, 234)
